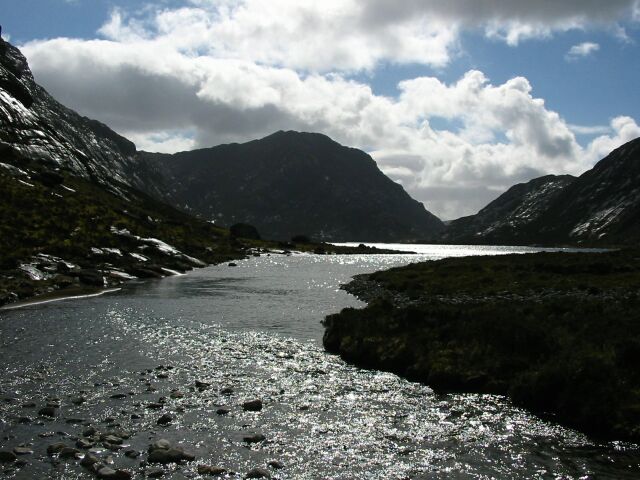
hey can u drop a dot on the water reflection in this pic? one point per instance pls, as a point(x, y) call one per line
point(256, 328)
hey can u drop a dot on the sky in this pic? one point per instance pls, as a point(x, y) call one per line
point(455, 100)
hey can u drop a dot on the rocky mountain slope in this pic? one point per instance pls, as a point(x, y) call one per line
point(601, 207)
point(286, 184)
point(291, 183)
point(508, 219)
point(35, 126)
point(70, 217)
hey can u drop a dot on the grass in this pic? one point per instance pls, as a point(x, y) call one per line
point(558, 333)
point(65, 216)
point(517, 274)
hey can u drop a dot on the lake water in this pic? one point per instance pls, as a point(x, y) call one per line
point(256, 329)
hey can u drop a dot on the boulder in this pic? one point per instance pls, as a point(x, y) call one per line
point(258, 473)
point(244, 230)
point(171, 455)
point(69, 452)
point(210, 470)
point(165, 419)
point(252, 405)
point(48, 411)
point(161, 444)
point(202, 385)
point(55, 448)
point(164, 453)
point(88, 460)
point(109, 473)
point(7, 457)
point(254, 438)
point(91, 277)
point(22, 451)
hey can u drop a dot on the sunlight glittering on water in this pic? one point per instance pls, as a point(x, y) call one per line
point(255, 329)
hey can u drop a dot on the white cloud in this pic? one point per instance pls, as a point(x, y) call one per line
point(590, 129)
point(355, 35)
point(222, 71)
point(164, 142)
point(582, 50)
point(624, 130)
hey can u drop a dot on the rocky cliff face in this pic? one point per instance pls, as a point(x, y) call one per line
point(602, 206)
point(70, 217)
point(508, 219)
point(37, 127)
point(288, 184)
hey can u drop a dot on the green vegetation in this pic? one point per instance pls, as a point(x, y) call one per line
point(54, 220)
point(558, 333)
point(517, 274)
point(66, 216)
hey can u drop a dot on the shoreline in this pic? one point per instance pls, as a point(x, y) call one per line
point(556, 333)
point(57, 296)
point(88, 276)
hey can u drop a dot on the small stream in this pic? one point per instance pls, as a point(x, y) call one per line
point(253, 332)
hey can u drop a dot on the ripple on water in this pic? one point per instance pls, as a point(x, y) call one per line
point(322, 417)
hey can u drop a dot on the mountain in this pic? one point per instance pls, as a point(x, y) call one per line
point(287, 184)
point(37, 127)
point(601, 207)
point(509, 218)
point(70, 215)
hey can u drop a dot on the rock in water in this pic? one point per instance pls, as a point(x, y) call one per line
point(7, 457)
point(252, 405)
point(165, 419)
point(202, 385)
point(22, 451)
point(55, 448)
point(88, 460)
point(68, 452)
point(258, 473)
point(162, 452)
point(47, 411)
point(254, 438)
point(275, 464)
point(208, 470)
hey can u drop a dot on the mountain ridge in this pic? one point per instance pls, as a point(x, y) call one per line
point(600, 207)
point(39, 127)
point(509, 217)
point(300, 183)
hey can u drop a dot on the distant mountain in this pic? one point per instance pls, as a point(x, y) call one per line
point(510, 217)
point(601, 207)
point(287, 184)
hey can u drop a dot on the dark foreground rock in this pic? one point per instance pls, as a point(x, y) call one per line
point(558, 333)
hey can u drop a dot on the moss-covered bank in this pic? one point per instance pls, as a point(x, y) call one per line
point(558, 333)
